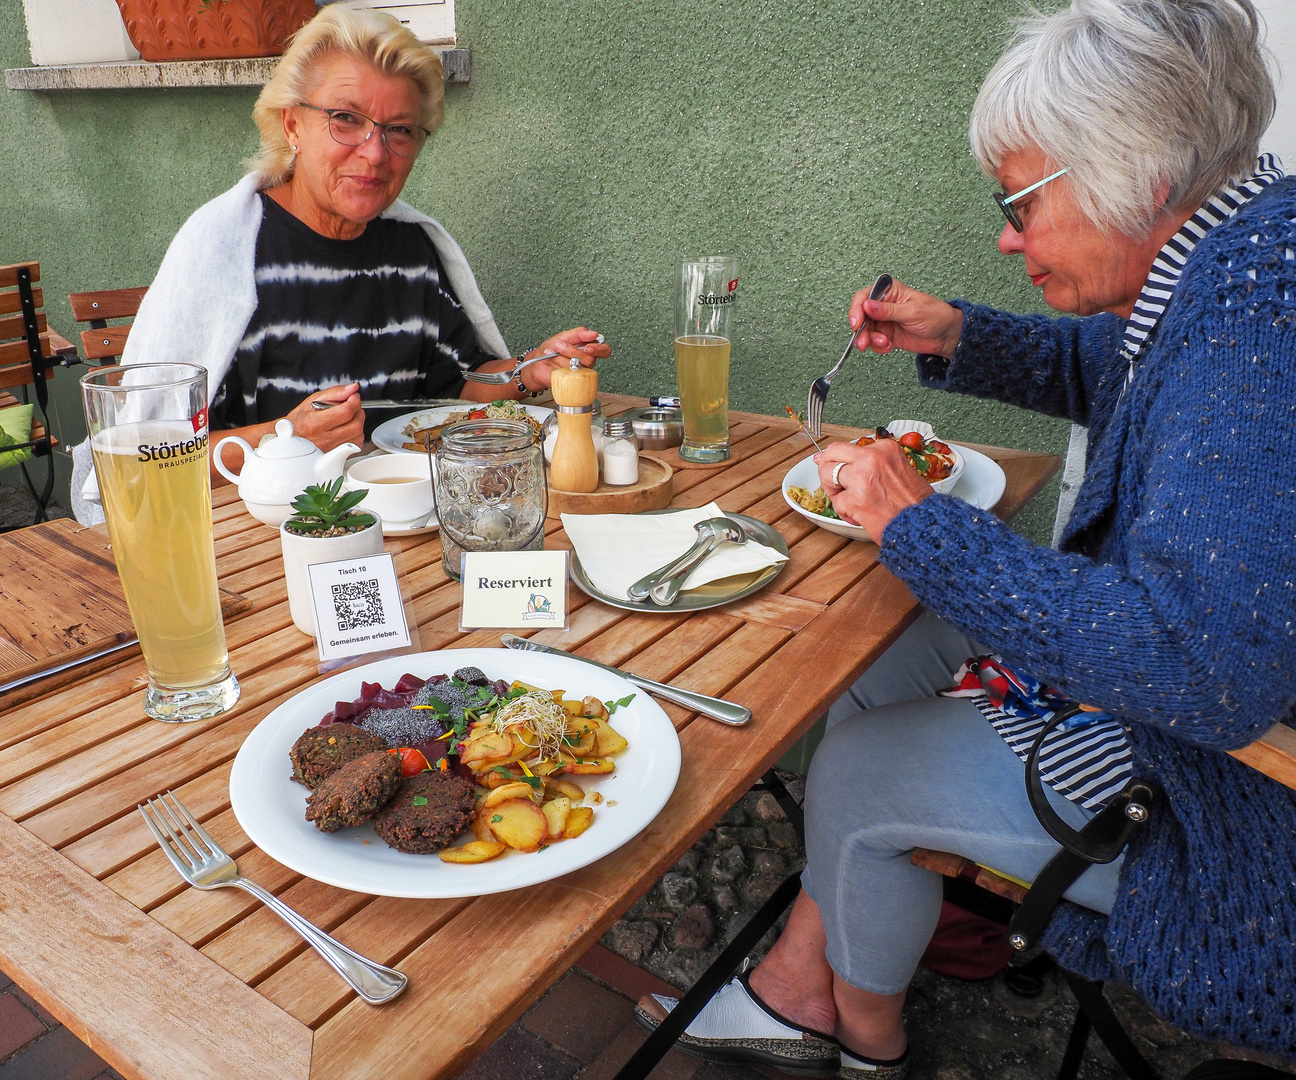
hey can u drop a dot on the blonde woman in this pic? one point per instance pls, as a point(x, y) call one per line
point(310, 280)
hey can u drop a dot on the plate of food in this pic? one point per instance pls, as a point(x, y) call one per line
point(956, 470)
point(454, 773)
point(411, 433)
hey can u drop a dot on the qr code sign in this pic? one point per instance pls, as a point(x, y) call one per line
point(357, 604)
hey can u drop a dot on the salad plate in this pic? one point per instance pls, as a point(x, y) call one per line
point(981, 483)
point(271, 807)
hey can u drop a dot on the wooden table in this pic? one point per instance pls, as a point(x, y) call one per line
point(165, 981)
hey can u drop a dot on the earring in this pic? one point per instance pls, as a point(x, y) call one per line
point(294, 148)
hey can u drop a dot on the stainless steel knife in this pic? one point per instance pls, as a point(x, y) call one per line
point(724, 711)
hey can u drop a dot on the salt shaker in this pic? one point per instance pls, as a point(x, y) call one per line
point(620, 453)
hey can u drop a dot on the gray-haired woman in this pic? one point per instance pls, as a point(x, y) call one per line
point(309, 280)
point(1124, 134)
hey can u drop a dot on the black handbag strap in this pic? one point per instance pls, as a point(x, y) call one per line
point(1100, 841)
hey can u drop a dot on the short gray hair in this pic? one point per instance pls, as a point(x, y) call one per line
point(1150, 103)
point(349, 29)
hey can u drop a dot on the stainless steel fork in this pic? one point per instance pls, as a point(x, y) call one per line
point(204, 864)
point(820, 387)
point(499, 378)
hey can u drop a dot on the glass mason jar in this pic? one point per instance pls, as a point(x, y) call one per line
point(490, 489)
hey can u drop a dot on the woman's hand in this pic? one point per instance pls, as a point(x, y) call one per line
point(875, 483)
point(580, 342)
point(906, 319)
point(327, 428)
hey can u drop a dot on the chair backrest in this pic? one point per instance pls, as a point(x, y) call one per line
point(24, 334)
point(104, 343)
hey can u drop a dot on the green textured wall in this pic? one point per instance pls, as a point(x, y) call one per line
point(598, 144)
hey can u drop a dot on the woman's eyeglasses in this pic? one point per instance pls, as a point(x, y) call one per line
point(351, 128)
point(1006, 201)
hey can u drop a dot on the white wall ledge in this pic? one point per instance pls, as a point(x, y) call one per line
point(143, 75)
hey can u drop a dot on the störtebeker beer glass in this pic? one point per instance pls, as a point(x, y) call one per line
point(148, 436)
point(705, 292)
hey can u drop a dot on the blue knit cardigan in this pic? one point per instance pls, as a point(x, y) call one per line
point(1172, 604)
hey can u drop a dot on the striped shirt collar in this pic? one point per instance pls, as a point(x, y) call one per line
point(1169, 263)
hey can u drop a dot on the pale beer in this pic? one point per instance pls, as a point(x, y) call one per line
point(148, 439)
point(702, 364)
point(156, 495)
point(705, 293)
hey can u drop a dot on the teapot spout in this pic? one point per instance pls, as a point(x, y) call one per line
point(331, 465)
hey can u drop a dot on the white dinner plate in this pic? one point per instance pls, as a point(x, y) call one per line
point(271, 808)
point(982, 484)
point(390, 434)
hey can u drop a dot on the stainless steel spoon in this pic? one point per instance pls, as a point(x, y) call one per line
point(664, 585)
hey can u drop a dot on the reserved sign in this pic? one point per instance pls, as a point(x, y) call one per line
point(513, 590)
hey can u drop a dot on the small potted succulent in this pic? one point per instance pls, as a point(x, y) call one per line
point(324, 527)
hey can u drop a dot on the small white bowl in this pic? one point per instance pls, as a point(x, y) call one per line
point(805, 474)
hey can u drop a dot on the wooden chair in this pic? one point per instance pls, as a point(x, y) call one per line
point(28, 352)
point(103, 344)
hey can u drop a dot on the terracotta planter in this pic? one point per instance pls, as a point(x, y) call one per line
point(216, 30)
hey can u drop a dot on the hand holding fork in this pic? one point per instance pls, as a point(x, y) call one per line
point(820, 387)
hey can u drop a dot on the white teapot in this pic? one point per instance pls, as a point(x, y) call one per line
point(280, 469)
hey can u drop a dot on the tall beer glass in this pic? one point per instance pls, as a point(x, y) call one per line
point(705, 292)
point(148, 435)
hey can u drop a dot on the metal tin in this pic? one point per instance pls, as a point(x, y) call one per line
point(656, 429)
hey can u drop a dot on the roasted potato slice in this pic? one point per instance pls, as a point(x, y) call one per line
point(493, 778)
point(555, 813)
point(486, 749)
point(517, 790)
point(591, 706)
point(607, 740)
point(565, 787)
point(481, 825)
point(588, 766)
point(519, 823)
point(475, 851)
point(580, 819)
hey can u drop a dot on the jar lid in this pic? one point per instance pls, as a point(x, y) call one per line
point(616, 428)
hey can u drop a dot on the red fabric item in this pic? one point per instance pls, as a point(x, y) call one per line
point(967, 946)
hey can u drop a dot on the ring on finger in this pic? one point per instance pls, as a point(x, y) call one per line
point(837, 472)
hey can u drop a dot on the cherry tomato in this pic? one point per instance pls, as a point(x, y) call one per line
point(477, 414)
point(412, 761)
point(912, 440)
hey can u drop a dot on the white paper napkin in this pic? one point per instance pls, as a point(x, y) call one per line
point(616, 550)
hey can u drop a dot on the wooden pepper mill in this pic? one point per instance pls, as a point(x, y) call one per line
point(575, 461)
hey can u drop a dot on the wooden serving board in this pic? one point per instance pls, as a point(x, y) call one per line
point(61, 599)
point(652, 492)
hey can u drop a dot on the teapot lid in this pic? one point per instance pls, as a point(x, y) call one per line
point(284, 444)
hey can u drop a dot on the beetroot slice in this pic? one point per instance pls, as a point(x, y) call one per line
point(408, 684)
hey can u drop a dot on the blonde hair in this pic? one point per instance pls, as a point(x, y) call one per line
point(347, 29)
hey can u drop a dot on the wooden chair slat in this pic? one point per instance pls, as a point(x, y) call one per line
point(9, 274)
point(12, 326)
point(10, 302)
point(13, 354)
point(948, 865)
point(104, 344)
point(106, 304)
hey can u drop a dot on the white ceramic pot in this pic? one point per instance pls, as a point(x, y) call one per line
point(300, 552)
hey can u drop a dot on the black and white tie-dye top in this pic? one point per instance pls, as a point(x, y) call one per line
point(376, 310)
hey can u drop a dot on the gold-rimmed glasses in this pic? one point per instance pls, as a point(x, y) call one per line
point(351, 128)
point(1006, 201)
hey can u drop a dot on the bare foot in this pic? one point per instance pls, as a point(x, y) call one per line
point(794, 979)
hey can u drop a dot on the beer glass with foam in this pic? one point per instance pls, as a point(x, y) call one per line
point(148, 437)
point(705, 293)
